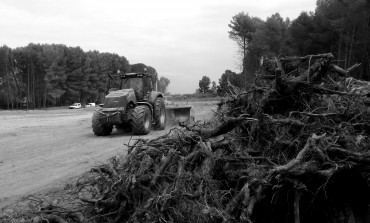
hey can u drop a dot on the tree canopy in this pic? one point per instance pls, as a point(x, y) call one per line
point(163, 84)
point(204, 84)
point(242, 28)
point(338, 26)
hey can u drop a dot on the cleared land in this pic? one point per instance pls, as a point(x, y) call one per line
point(42, 148)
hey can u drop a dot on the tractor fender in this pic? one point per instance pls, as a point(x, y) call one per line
point(147, 104)
point(154, 95)
point(131, 97)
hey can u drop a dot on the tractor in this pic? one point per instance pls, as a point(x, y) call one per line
point(136, 104)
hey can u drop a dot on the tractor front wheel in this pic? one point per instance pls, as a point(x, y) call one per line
point(159, 114)
point(141, 120)
point(100, 128)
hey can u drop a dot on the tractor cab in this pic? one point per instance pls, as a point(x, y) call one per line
point(141, 83)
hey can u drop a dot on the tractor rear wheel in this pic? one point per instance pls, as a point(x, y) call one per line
point(159, 114)
point(100, 128)
point(141, 120)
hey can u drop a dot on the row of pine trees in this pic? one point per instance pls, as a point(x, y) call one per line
point(44, 75)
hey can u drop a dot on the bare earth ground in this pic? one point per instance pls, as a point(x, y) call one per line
point(42, 149)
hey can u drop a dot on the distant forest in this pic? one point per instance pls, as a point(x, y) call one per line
point(44, 75)
point(341, 27)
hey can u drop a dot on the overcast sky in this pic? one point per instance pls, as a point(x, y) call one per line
point(183, 40)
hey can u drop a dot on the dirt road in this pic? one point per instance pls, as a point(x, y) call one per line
point(41, 148)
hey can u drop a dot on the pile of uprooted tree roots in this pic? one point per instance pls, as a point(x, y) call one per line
point(293, 148)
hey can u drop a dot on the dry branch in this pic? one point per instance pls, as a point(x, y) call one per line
point(308, 150)
point(343, 72)
point(171, 159)
point(237, 200)
point(309, 57)
point(225, 127)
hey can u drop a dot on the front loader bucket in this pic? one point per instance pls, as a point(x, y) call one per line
point(176, 114)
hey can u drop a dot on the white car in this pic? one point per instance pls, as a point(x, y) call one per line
point(90, 105)
point(75, 105)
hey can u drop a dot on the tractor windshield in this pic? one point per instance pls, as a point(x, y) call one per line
point(134, 83)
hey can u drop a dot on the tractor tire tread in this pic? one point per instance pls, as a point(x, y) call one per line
point(138, 120)
point(100, 128)
point(158, 103)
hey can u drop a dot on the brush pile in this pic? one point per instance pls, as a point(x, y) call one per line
point(293, 148)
